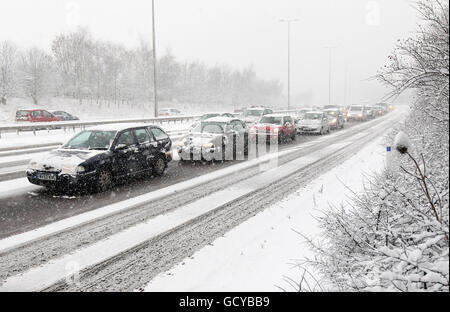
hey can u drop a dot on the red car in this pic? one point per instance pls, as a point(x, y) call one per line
point(35, 115)
point(274, 127)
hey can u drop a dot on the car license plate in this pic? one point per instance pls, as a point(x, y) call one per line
point(46, 176)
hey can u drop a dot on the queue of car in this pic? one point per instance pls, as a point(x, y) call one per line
point(97, 157)
point(42, 115)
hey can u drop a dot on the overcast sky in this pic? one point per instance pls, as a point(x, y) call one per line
point(237, 33)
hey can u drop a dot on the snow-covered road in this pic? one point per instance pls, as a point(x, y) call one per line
point(143, 257)
point(264, 253)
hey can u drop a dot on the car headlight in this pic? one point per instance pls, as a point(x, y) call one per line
point(33, 165)
point(334, 120)
point(208, 145)
point(72, 170)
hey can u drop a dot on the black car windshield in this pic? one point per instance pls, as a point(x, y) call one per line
point(356, 108)
point(212, 127)
point(253, 112)
point(313, 116)
point(92, 140)
point(271, 120)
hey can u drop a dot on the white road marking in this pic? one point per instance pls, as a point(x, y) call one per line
point(16, 186)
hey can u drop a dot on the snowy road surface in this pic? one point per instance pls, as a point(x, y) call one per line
point(270, 241)
point(139, 258)
point(17, 195)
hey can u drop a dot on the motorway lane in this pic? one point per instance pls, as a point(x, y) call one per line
point(25, 211)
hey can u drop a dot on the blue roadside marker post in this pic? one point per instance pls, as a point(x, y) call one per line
point(389, 158)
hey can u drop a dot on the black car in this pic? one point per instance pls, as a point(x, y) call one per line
point(97, 157)
point(64, 116)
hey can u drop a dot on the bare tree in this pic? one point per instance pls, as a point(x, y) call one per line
point(73, 56)
point(394, 236)
point(421, 62)
point(8, 62)
point(36, 73)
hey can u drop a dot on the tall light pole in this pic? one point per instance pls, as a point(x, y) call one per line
point(329, 74)
point(289, 21)
point(155, 94)
point(345, 84)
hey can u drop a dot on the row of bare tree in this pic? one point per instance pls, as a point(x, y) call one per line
point(84, 68)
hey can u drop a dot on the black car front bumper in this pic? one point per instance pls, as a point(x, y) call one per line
point(63, 181)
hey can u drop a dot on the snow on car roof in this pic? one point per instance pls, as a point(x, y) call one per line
point(119, 127)
point(220, 119)
point(212, 113)
point(256, 108)
point(30, 109)
point(276, 115)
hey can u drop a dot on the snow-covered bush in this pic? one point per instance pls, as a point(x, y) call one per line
point(394, 236)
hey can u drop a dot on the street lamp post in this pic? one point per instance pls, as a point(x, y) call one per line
point(155, 94)
point(329, 74)
point(289, 21)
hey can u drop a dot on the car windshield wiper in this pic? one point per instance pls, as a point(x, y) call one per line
point(98, 148)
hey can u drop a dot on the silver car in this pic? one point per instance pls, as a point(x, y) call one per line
point(357, 113)
point(314, 122)
point(252, 115)
point(218, 138)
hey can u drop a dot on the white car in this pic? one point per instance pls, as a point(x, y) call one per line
point(357, 113)
point(314, 122)
point(254, 114)
point(301, 113)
